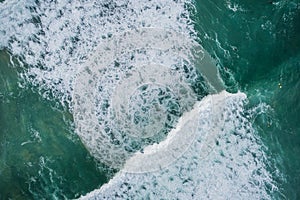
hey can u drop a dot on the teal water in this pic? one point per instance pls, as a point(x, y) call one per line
point(257, 47)
point(40, 155)
point(260, 44)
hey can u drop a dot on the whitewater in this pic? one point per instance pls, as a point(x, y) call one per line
point(146, 98)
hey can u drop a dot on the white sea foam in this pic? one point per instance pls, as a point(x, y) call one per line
point(234, 6)
point(228, 163)
point(133, 87)
point(56, 37)
point(59, 40)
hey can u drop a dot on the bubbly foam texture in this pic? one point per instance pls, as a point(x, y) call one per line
point(151, 67)
point(56, 37)
point(133, 91)
point(229, 163)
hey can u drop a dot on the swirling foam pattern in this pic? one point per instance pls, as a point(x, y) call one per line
point(217, 165)
point(57, 37)
point(132, 93)
point(103, 58)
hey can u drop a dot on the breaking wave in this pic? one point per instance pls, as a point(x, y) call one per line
point(146, 98)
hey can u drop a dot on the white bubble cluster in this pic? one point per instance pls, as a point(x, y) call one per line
point(132, 93)
point(225, 161)
point(134, 78)
point(55, 38)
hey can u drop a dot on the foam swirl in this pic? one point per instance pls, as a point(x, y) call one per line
point(133, 92)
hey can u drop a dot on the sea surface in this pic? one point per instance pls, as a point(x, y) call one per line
point(150, 99)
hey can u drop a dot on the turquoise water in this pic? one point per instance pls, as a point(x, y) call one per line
point(40, 155)
point(260, 44)
point(257, 48)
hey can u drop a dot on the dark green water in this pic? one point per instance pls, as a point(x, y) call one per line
point(41, 157)
point(262, 51)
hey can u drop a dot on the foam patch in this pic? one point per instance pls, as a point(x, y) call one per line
point(133, 91)
point(54, 39)
point(225, 161)
point(137, 84)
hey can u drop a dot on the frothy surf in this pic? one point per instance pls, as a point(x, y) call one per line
point(133, 90)
point(225, 161)
point(137, 84)
point(56, 38)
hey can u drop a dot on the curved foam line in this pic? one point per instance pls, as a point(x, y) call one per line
point(158, 156)
point(86, 84)
point(217, 165)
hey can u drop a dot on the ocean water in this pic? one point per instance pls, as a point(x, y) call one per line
point(149, 99)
